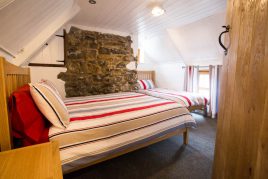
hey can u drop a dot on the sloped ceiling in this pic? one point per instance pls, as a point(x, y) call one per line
point(27, 24)
point(192, 44)
point(4, 3)
point(160, 49)
point(198, 41)
point(167, 38)
point(134, 16)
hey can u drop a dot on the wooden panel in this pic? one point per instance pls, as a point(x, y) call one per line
point(146, 75)
point(38, 161)
point(11, 78)
point(242, 134)
point(5, 139)
point(193, 108)
point(46, 65)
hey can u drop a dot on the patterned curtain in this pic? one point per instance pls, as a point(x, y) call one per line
point(214, 75)
point(191, 78)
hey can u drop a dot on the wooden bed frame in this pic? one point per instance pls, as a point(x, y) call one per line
point(150, 75)
point(146, 75)
point(13, 77)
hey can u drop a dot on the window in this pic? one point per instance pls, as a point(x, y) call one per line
point(204, 83)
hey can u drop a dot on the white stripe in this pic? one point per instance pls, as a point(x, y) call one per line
point(114, 118)
point(95, 97)
point(98, 112)
point(101, 146)
point(151, 82)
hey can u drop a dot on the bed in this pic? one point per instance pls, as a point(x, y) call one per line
point(192, 101)
point(101, 127)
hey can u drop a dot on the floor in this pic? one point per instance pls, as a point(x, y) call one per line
point(167, 159)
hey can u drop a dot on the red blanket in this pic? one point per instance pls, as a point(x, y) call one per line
point(28, 123)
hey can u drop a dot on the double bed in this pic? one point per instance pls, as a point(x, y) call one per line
point(101, 126)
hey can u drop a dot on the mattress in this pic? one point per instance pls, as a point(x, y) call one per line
point(104, 124)
point(185, 99)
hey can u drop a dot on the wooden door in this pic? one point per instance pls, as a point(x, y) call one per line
point(242, 135)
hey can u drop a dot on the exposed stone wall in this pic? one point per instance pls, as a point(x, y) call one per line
point(96, 63)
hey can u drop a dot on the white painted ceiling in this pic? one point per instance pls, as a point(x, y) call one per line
point(4, 3)
point(19, 25)
point(198, 41)
point(160, 49)
point(27, 24)
point(193, 44)
point(198, 21)
point(134, 16)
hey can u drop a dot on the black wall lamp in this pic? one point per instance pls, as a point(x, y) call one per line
point(227, 29)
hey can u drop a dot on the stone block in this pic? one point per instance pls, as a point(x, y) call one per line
point(96, 63)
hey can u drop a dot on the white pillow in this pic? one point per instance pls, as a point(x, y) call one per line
point(145, 84)
point(51, 85)
point(50, 104)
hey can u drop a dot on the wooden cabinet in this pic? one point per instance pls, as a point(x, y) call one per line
point(242, 134)
point(37, 162)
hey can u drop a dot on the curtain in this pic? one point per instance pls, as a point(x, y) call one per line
point(191, 78)
point(214, 75)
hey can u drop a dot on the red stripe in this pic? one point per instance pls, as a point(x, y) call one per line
point(187, 99)
point(143, 84)
point(101, 100)
point(119, 112)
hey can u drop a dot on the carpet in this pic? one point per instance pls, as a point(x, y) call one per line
point(167, 159)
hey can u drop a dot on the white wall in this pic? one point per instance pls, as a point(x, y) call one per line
point(49, 73)
point(162, 56)
point(170, 76)
point(52, 52)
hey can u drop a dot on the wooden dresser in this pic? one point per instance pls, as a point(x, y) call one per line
point(37, 162)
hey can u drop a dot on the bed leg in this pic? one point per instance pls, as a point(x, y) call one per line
point(205, 111)
point(186, 137)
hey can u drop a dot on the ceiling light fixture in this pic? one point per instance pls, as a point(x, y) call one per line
point(92, 1)
point(158, 11)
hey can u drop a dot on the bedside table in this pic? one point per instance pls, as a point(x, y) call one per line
point(37, 162)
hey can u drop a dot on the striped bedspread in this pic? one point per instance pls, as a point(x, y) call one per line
point(183, 98)
point(103, 124)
